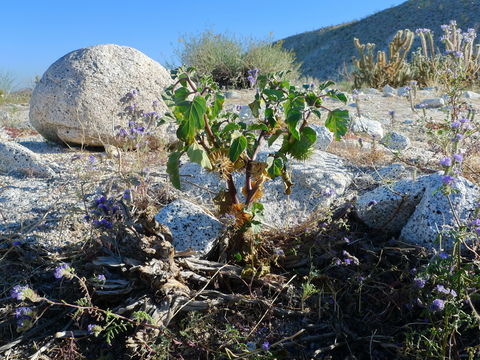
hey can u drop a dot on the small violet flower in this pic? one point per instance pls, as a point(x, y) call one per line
point(446, 161)
point(437, 305)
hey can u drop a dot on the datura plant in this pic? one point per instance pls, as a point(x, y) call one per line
point(223, 143)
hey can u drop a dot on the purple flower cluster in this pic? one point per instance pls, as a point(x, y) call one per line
point(252, 76)
point(63, 271)
point(18, 292)
point(24, 316)
point(446, 291)
point(437, 305)
point(348, 259)
point(422, 31)
point(106, 210)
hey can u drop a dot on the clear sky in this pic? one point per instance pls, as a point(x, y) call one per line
point(35, 33)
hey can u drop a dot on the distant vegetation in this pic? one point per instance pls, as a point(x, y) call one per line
point(228, 58)
point(324, 52)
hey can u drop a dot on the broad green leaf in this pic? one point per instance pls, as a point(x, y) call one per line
point(293, 118)
point(272, 94)
point(230, 127)
point(335, 94)
point(258, 127)
point(217, 106)
point(193, 120)
point(255, 108)
point(301, 149)
point(326, 84)
point(337, 122)
point(198, 155)
point(180, 95)
point(275, 168)
point(237, 148)
point(172, 168)
point(269, 116)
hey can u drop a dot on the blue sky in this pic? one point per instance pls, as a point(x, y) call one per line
point(35, 33)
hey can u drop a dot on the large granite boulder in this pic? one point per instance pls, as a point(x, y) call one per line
point(80, 97)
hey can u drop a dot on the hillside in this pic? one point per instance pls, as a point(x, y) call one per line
point(324, 51)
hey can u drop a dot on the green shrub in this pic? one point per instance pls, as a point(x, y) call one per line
point(271, 58)
point(227, 58)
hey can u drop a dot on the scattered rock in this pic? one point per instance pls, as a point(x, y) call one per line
point(365, 125)
point(395, 141)
point(245, 113)
point(433, 103)
point(15, 158)
point(371, 91)
point(324, 136)
point(434, 213)
point(471, 95)
point(391, 172)
point(78, 98)
point(403, 91)
point(389, 91)
point(317, 182)
point(231, 94)
point(388, 208)
point(190, 225)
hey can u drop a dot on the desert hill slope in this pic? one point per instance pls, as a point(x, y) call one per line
point(324, 51)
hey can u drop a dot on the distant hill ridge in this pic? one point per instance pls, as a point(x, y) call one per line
point(324, 51)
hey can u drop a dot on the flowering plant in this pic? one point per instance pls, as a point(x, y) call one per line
point(222, 143)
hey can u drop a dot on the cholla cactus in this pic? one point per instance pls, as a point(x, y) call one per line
point(460, 45)
point(392, 71)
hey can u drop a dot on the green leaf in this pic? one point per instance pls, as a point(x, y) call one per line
point(237, 148)
point(172, 168)
point(258, 127)
point(255, 108)
point(180, 95)
point(276, 167)
point(337, 122)
point(293, 118)
point(326, 84)
point(335, 94)
point(274, 95)
point(193, 118)
point(198, 155)
point(301, 149)
point(230, 127)
point(217, 106)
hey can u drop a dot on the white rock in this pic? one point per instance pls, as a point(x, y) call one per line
point(371, 91)
point(324, 136)
point(15, 158)
point(432, 103)
point(365, 125)
point(231, 94)
point(471, 95)
point(389, 91)
point(317, 182)
point(245, 112)
point(388, 208)
point(434, 212)
point(78, 99)
point(190, 225)
point(403, 91)
point(395, 141)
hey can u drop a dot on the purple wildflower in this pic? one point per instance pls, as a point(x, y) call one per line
point(447, 180)
point(458, 158)
point(446, 161)
point(266, 345)
point(127, 194)
point(475, 222)
point(419, 283)
point(101, 277)
point(372, 203)
point(18, 292)
point(456, 124)
point(443, 255)
point(62, 271)
point(442, 289)
point(438, 305)
point(23, 311)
